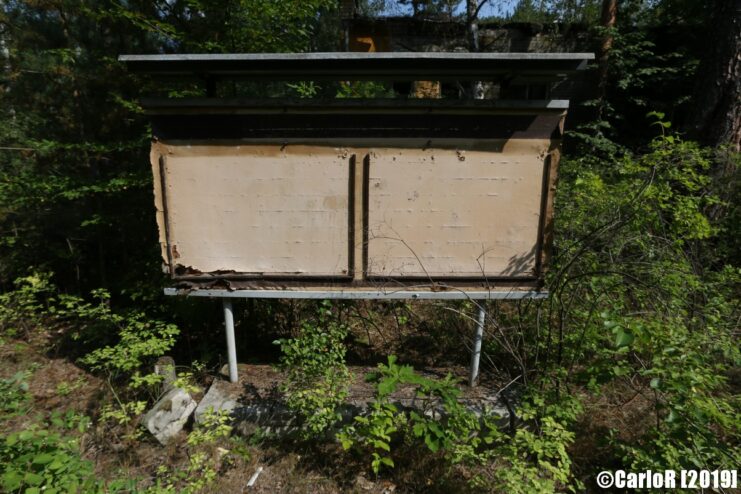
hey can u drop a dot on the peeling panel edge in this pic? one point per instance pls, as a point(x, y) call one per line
point(547, 235)
point(156, 158)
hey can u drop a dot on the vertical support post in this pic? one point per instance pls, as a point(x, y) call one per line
point(476, 352)
point(231, 346)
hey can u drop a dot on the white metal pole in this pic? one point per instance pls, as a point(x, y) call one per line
point(231, 346)
point(476, 353)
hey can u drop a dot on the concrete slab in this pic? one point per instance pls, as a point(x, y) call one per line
point(168, 416)
point(257, 402)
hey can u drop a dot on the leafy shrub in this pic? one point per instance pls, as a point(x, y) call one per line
point(140, 338)
point(203, 457)
point(136, 340)
point(22, 309)
point(532, 459)
point(13, 395)
point(375, 431)
point(641, 298)
point(43, 457)
point(317, 379)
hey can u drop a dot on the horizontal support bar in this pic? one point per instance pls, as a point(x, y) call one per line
point(364, 294)
point(350, 66)
point(482, 125)
point(357, 106)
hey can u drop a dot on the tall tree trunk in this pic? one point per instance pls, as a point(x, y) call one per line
point(6, 67)
point(715, 118)
point(608, 19)
point(472, 25)
point(472, 29)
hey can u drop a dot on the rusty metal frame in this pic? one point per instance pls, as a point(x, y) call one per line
point(401, 294)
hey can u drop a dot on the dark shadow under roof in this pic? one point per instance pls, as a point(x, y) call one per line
point(360, 66)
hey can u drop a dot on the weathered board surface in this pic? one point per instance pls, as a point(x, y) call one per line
point(355, 210)
point(452, 213)
point(254, 208)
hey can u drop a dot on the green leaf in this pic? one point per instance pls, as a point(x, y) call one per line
point(43, 459)
point(623, 338)
point(33, 479)
point(434, 427)
point(432, 444)
point(11, 480)
point(386, 387)
point(377, 443)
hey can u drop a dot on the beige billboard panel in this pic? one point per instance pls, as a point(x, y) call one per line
point(361, 210)
point(455, 213)
point(253, 209)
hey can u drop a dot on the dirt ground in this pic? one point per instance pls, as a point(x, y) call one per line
point(57, 383)
point(286, 467)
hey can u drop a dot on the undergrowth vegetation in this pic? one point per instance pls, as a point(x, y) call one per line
point(317, 379)
point(632, 362)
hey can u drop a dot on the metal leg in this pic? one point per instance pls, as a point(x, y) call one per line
point(230, 344)
point(476, 353)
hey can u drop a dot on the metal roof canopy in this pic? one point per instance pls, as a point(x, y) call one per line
point(360, 66)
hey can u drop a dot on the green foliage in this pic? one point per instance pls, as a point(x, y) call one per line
point(317, 379)
point(36, 304)
point(364, 89)
point(73, 140)
point(650, 302)
point(44, 456)
point(40, 460)
point(140, 338)
point(22, 309)
point(685, 366)
point(13, 395)
point(533, 459)
point(123, 417)
point(204, 457)
point(214, 425)
point(549, 11)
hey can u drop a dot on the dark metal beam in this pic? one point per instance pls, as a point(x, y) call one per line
point(357, 66)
